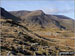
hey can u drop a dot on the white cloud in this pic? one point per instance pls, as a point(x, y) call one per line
point(50, 10)
point(57, 11)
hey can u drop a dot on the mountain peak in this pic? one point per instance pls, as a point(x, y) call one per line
point(36, 13)
point(40, 11)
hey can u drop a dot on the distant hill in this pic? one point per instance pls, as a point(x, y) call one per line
point(62, 16)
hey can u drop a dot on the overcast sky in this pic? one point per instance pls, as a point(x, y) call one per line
point(57, 7)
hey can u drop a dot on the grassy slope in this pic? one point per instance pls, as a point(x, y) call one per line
point(11, 33)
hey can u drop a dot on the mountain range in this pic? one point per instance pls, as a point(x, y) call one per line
point(39, 19)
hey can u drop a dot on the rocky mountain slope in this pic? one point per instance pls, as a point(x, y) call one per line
point(18, 39)
point(39, 18)
point(39, 21)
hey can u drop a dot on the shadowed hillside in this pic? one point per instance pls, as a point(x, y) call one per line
point(7, 15)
